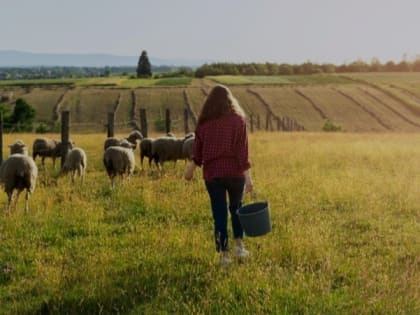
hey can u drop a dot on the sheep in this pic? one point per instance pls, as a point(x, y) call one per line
point(167, 149)
point(146, 150)
point(187, 148)
point(75, 162)
point(132, 138)
point(18, 172)
point(118, 161)
point(45, 147)
point(18, 147)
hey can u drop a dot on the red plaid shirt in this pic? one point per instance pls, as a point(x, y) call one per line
point(221, 147)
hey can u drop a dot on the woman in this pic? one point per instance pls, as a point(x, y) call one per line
point(221, 148)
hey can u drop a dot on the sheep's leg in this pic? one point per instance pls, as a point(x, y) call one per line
point(141, 161)
point(43, 161)
point(16, 199)
point(9, 201)
point(27, 200)
point(81, 173)
point(112, 182)
point(73, 175)
point(53, 158)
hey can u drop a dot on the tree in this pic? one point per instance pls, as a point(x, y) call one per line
point(23, 116)
point(144, 68)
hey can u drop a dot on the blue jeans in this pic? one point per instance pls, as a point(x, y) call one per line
point(217, 189)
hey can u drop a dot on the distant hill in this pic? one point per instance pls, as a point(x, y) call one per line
point(13, 58)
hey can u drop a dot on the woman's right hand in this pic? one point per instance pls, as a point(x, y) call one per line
point(249, 185)
point(189, 171)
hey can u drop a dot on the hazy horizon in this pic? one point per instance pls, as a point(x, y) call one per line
point(325, 31)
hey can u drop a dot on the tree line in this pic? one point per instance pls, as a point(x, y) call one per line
point(304, 68)
point(145, 69)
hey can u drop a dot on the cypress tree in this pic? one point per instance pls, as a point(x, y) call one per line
point(144, 68)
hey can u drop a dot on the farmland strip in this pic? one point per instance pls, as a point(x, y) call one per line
point(261, 99)
point(117, 103)
point(390, 108)
point(203, 90)
point(133, 111)
point(364, 108)
point(411, 108)
point(57, 106)
point(189, 107)
point(412, 95)
point(287, 123)
point(319, 110)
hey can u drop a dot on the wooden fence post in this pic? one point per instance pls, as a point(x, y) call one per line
point(111, 123)
point(65, 135)
point(251, 122)
point(143, 122)
point(278, 119)
point(168, 120)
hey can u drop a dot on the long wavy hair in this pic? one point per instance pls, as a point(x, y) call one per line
point(219, 102)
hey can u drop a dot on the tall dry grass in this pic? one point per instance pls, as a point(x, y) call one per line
point(345, 216)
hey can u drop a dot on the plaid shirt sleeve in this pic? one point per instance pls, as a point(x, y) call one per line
point(197, 149)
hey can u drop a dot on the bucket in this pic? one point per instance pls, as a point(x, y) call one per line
point(255, 218)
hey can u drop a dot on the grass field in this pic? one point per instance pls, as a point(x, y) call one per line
point(280, 80)
point(345, 210)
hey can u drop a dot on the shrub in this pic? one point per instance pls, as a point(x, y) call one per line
point(329, 126)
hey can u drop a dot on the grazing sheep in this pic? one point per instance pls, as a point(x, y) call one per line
point(132, 138)
point(167, 149)
point(75, 162)
point(187, 148)
point(146, 150)
point(18, 172)
point(118, 161)
point(18, 147)
point(45, 147)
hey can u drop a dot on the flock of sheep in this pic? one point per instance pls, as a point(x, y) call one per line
point(19, 172)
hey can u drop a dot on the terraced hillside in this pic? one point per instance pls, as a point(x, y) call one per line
point(354, 102)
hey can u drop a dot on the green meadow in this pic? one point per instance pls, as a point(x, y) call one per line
point(345, 213)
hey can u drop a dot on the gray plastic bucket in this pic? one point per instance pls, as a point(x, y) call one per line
point(255, 218)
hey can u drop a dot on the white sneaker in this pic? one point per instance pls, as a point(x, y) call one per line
point(225, 260)
point(241, 252)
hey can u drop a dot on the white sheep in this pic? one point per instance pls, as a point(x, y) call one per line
point(75, 163)
point(18, 172)
point(119, 161)
point(45, 147)
point(132, 138)
point(18, 147)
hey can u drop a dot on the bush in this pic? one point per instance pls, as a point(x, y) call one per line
point(42, 128)
point(329, 126)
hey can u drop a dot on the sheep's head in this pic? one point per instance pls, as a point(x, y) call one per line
point(135, 135)
point(18, 147)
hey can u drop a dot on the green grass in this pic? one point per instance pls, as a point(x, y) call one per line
point(116, 81)
point(37, 82)
point(344, 209)
point(280, 80)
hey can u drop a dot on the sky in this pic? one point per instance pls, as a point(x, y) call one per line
point(294, 31)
